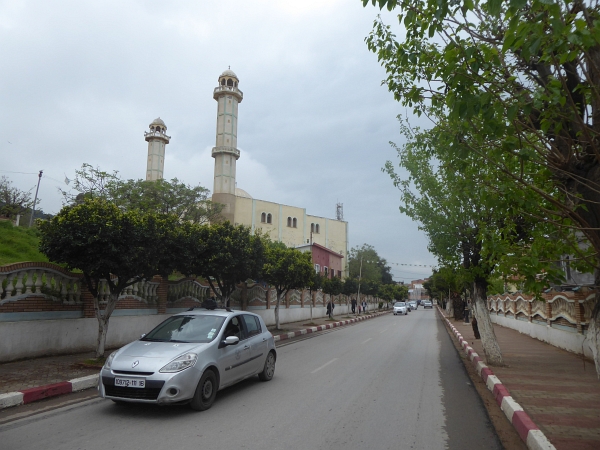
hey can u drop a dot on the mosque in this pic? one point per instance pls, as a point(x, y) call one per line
point(327, 239)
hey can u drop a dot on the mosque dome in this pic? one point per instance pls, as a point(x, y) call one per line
point(158, 121)
point(242, 193)
point(229, 73)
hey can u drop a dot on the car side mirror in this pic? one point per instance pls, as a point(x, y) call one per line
point(231, 340)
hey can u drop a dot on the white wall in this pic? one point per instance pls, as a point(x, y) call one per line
point(27, 339)
point(573, 342)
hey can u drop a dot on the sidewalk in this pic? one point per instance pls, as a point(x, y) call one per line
point(35, 374)
point(558, 390)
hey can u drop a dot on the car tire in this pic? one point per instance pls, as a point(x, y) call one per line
point(269, 368)
point(206, 392)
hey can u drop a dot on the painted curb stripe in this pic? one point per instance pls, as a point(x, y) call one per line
point(11, 399)
point(39, 393)
point(523, 424)
point(527, 429)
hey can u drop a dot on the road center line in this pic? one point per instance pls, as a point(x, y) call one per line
point(324, 365)
point(364, 342)
point(383, 331)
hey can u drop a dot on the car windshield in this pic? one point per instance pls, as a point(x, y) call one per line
point(400, 304)
point(186, 328)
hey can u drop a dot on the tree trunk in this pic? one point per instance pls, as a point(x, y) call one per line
point(484, 323)
point(277, 325)
point(103, 322)
point(449, 307)
point(593, 332)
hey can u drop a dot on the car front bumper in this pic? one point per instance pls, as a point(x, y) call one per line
point(160, 388)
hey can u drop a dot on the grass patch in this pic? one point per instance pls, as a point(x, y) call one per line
point(19, 244)
point(93, 363)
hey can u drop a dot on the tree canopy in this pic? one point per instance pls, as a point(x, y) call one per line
point(106, 243)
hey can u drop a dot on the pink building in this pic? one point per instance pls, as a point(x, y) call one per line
point(326, 262)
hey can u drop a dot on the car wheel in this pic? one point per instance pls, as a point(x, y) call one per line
point(206, 391)
point(269, 369)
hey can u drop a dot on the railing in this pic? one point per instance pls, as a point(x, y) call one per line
point(568, 310)
point(43, 281)
point(231, 89)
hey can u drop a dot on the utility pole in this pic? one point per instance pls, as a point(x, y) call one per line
point(35, 198)
point(359, 275)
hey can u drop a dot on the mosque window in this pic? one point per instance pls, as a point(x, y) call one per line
point(269, 218)
point(289, 222)
point(229, 82)
point(235, 84)
point(317, 229)
point(263, 218)
point(312, 227)
point(294, 223)
point(223, 82)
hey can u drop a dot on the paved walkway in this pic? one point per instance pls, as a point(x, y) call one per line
point(27, 374)
point(557, 389)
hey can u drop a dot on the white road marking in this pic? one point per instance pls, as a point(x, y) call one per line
point(324, 365)
point(383, 331)
point(364, 342)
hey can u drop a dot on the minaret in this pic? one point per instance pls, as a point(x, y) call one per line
point(157, 139)
point(225, 151)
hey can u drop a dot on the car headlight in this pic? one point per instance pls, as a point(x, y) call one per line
point(109, 360)
point(180, 363)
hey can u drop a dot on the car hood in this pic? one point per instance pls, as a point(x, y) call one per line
point(144, 356)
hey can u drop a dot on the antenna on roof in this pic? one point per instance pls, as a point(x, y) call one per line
point(339, 211)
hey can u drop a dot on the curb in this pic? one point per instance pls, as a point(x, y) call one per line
point(51, 390)
point(292, 334)
point(527, 429)
point(79, 384)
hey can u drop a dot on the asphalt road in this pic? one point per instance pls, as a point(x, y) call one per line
point(394, 382)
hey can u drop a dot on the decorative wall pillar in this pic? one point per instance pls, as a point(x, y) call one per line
point(244, 297)
point(162, 293)
point(529, 303)
point(548, 313)
point(579, 315)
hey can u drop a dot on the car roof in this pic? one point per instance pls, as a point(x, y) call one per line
point(211, 312)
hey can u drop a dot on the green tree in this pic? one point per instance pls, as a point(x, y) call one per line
point(286, 269)
point(190, 203)
point(224, 254)
point(519, 82)
point(107, 244)
point(366, 262)
point(13, 201)
point(332, 286)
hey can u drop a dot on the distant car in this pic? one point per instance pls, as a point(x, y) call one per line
point(400, 308)
point(427, 304)
point(189, 357)
point(413, 304)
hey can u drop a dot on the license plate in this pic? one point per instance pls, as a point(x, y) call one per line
point(130, 382)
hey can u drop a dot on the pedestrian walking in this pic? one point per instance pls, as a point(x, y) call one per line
point(353, 306)
point(364, 306)
point(330, 307)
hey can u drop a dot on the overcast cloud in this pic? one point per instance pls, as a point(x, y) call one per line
point(81, 81)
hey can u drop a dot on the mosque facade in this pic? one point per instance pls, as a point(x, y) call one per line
point(290, 225)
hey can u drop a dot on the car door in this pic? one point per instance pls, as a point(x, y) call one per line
point(257, 341)
point(234, 360)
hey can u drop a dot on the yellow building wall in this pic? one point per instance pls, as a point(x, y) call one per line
point(333, 234)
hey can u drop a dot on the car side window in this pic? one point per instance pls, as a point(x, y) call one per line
point(252, 325)
point(234, 328)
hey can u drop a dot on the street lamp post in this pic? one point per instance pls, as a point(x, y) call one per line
point(35, 198)
point(359, 275)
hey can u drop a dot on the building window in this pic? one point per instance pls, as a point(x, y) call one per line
point(294, 223)
point(312, 227)
point(339, 274)
point(289, 222)
point(230, 82)
point(223, 82)
point(317, 228)
point(269, 218)
point(317, 268)
point(326, 272)
point(263, 218)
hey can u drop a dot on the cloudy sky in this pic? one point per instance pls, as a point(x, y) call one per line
point(81, 80)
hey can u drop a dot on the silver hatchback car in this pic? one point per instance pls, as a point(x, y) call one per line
point(189, 357)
